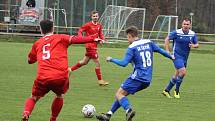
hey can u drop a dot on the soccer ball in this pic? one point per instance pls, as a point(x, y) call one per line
point(88, 111)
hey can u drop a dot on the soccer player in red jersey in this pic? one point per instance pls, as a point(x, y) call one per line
point(50, 52)
point(91, 28)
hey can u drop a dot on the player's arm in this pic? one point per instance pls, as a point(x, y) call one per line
point(67, 39)
point(171, 36)
point(194, 43)
point(32, 56)
point(124, 62)
point(156, 48)
point(101, 35)
point(82, 29)
point(82, 39)
point(167, 44)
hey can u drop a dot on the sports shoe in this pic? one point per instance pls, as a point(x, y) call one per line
point(166, 94)
point(102, 83)
point(103, 117)
point(176, 94)
point(130, 114)
point(25, 117)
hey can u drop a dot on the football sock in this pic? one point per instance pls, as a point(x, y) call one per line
point(29, 106)
point(178, 82)
point(98, 73)
point(76, 66)
point(57, 105)
point(115, 106)
point(125, 103)
point(172, 82)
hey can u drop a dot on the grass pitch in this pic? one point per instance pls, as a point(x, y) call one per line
point(197, 91)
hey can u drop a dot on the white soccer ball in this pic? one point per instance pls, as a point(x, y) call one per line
point(88, 110)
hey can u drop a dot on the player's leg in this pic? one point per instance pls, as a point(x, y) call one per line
point(38, 90)
point(121, 96)
point(98, 73)
point(179, 79)
point(28, 107)
point(178, 64)
point(115, 106)
point(56, 107)
point(171, 84)
point(80, 63)
point(59, 87)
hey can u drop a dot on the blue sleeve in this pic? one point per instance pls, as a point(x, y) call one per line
point(195, 41)
point(126, 59)
point(172, 35)
point(156, 48)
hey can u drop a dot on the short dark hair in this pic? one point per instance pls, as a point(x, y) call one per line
point(186, 19)
point(93, 12)
point(46, 26)
point(132, 30)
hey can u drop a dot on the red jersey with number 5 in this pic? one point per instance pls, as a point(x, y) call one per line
point(50, 52)
point(91, 28)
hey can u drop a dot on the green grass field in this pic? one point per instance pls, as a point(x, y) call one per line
point(197, 92)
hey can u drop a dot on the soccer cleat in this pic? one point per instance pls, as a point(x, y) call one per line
point(176, 95)
point(130, 114)
point(103, 117)
point(25, 117)
point(166, 94)
point(102, 83)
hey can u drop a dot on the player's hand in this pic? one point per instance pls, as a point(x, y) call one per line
point(191, 45)
point(101, 42)
point(97, 40)
point(108, 59)
point(69, 72)
point(173, 57)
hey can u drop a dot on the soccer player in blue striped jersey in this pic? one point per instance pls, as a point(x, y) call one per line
point(140, 54)
point(183, 40)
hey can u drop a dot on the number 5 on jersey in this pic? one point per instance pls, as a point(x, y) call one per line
point(46, 52)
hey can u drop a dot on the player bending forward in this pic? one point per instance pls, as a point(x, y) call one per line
point(50, 52)
point(140, 54)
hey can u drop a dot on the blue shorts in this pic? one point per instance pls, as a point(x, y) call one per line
point(179, 63)
point(132, 86)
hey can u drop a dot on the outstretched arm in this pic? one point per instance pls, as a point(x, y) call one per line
point(165, 53)
point(156, 48)
point(124, 62)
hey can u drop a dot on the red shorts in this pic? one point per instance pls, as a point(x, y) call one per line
point(41, 87)
point(92, 53)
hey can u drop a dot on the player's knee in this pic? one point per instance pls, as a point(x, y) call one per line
point(35, 98)
point(83, 62)
point(97, 65)
point(182, 72)
point(59, 96)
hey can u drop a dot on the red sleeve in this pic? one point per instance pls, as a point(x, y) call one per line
point(101, 35)
point(82, 29)
point(81, 39)
point(66, 39)
point(32, 56)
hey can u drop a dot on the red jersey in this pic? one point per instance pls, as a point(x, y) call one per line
point(51, 53)
point(91, 29)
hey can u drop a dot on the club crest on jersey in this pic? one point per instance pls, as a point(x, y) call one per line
point(190, 38)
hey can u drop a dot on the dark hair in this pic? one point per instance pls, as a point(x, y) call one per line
point(46, 26)
point(93, 12)
point(186, 19)
point(132, 30)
